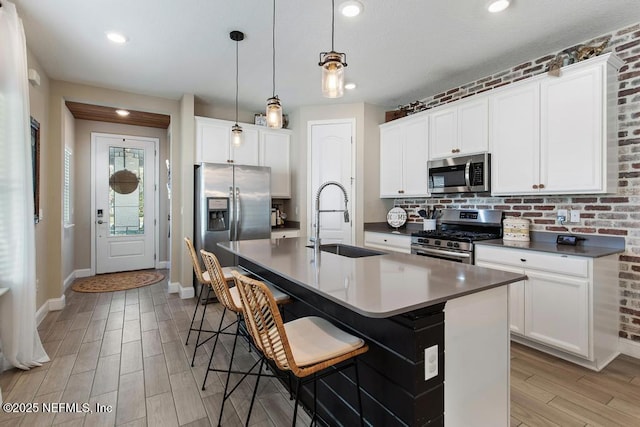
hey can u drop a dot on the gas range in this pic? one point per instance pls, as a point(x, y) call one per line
point(458, 229)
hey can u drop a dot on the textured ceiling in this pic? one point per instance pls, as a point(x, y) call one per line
point(397, 50)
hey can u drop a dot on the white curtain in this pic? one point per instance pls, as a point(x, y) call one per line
point(20, 344)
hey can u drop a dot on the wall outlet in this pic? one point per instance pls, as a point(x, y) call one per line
point(575, 216)
point(430, 362)
point(561, 215)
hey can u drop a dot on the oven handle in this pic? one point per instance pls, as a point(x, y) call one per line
point(467, 173)
point(424, 251)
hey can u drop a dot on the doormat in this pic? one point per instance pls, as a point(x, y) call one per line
point(112, 282)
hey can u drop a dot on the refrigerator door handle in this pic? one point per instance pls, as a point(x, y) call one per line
point(232, 219)
point(237, 213)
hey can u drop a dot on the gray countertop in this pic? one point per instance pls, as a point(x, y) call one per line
point(383, 227)
point(376, 286)
point(552, 247)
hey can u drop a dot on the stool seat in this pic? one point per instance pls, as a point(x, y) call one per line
point(227, 271)
point(314, 340)
point(278, 295)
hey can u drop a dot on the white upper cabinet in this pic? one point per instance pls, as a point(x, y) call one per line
point(557, 135)
point(459, 129)
point(261, 146)
point(403, 157)
point(274, 152)
point(515, 136)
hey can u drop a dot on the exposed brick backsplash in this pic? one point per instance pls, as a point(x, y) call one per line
point(615, 215)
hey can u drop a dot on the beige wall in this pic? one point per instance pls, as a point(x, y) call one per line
point(223, 112)
point(39, 108)
point(367, 118)
point(82, 184)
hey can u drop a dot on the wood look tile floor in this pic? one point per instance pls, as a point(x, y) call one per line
point(126, 349)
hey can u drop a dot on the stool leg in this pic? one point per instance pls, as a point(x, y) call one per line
point(295, 405)
point(355, 366)
point(204, 310)
point(255, 390)
point(315, 399)
point(195, 310)
point(213, 351)
point(226, 385)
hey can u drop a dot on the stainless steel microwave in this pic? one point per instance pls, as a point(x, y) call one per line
point(462, 174)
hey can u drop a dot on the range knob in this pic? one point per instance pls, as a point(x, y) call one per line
point(437, 243)
point(456, 245)
point(449, 244)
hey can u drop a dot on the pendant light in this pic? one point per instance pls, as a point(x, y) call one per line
point(274, 108)
point(236, 130)
point(332, 64)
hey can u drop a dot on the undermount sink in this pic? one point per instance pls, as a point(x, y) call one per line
point(348, 250)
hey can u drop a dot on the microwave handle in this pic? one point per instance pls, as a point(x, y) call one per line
point(467, 174)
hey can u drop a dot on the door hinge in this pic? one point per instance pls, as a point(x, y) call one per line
point(155, 187)
point(155, 222)
point(154, 257)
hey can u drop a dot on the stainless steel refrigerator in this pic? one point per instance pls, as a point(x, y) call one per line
point(232, 202)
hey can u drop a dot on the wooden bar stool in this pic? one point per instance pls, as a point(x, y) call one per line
point(205, 282)
point(307, 346)
point(230, 300)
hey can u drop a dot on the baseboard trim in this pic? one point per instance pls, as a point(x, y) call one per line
point(173, 287)
point(187, 292)
point(163, 265)
point(628, 347)
point(84, 272)
point(53, 304)
point(69, 280)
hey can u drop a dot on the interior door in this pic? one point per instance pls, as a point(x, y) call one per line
point(331, 160)
point(125, 202)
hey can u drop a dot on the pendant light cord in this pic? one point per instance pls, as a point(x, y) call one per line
point(236, 82)
point(333, 22)
point(273, 40)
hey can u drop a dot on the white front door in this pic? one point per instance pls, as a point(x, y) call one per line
point(125, 202)
point(331, 160)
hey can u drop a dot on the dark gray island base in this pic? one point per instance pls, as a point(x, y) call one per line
point(351, 293)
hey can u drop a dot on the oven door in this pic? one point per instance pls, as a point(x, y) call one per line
point(446, 254)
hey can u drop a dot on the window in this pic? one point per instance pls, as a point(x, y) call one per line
point(67, 187)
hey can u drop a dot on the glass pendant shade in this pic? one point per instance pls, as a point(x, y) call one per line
point(274, 113)
point(236, 135)
point(332, 74)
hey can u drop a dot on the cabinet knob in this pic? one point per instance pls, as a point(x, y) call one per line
point(523, 260)
point(401, 191)
point(541, 186)
point(535, 186)
point(229, 161)
point(453, 150)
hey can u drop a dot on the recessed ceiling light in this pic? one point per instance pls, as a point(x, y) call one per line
point(122, 113)
point(498, 6)
point(350, 86)
point(116, 37)
point(351, 8)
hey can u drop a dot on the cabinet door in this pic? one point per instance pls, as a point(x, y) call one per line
point(516, 296)
point(473, 126)
point(248, 152)
point(556, 311)
point(274, 152)
point(515, 141)
point(414, 158)
point(391, 148)
point(571, 132)
point(212, 142)
point(443, 135)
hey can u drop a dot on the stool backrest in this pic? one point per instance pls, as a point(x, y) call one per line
point(218, 283)
point(264, 322)
point(196, 262)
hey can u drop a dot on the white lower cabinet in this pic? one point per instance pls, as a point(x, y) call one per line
point(283, 234)
point(388, 241)
point(566, 306)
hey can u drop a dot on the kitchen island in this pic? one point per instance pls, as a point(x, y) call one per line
point(403, 306)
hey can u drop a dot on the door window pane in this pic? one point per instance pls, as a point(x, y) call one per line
point(126, 191)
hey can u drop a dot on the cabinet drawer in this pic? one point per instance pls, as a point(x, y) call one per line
point(283, 234)
point(552, 263)
point(393, 242)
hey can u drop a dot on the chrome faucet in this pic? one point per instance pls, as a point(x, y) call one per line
point(316, 242)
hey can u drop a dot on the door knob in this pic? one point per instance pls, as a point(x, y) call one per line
point(100, 221)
